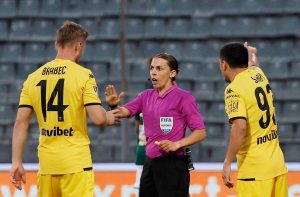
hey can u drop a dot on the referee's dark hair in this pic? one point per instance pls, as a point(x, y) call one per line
point(172, 62)
point(235, 54)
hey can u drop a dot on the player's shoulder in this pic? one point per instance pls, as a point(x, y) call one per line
point(81, 68)
point(82, 72)
point(257, 75)
point(232, 89)
point(256, 70)
point(35, 74)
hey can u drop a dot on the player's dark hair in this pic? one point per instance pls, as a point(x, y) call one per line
point(235, 54)
point(70, 32)
point(172, 62)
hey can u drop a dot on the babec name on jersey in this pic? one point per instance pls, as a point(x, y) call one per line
point(60, 70)
point(56, 131)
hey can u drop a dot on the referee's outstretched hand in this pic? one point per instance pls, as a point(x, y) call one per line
point(111, 96)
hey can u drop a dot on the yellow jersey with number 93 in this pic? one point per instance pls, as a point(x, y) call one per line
point(250, 96)
point(58, 93)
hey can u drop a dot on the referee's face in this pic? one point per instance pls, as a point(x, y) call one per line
point(161, 74)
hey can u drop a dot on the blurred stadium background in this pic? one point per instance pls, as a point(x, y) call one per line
point(124, 33)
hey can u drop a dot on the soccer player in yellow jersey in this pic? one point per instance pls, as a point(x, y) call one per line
point(253, 137)
point(60, 93)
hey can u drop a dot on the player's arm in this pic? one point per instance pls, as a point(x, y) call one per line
point(252, 55)
point(237, 135)
point(20, 132)
point(195, 137)
point(100, 117)
point(113, 101)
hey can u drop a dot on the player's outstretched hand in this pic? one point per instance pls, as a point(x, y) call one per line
point(17, 176)
point(113, 117)
point(111, 96)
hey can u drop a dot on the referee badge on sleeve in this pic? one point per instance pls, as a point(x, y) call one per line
point(166, 124)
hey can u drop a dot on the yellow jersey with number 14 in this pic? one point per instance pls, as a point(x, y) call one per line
point(249, 96)
point(58, 93)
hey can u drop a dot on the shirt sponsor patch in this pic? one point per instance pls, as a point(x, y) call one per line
point(95, 89)
point(166, 124)
point(233, 106)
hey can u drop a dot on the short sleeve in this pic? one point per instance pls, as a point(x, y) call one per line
point(135, 106)
point(90, 93)
point(234, 105)
point(192, 114)
point(25, 100)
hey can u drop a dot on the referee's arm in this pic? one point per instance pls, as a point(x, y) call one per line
point(193, 138)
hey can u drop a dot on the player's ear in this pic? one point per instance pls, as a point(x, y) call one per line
point(223, 64)
point(56, 45)
point(77, 46)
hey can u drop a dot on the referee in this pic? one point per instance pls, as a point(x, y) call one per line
point(167, 111)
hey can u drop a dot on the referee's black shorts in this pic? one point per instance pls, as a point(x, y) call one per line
point(165, 177)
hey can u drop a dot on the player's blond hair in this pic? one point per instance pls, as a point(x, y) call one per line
point(69, 33)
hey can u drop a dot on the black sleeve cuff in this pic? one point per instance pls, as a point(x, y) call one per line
point(234, 118)
point(29, 106)
point(88, 104)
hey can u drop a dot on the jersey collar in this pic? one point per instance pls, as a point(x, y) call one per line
point(168, 91)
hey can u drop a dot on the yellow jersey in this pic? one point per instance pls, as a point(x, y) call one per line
point(58, 93)
point(249, 96)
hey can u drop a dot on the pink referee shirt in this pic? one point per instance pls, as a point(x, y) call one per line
point(166, 117)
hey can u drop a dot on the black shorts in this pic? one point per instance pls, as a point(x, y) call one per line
point(165, 177)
